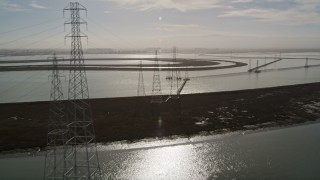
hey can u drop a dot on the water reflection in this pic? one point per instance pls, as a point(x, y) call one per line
point(279, 154)
point(169, 162)
point(291, 153)
point(34, 85)
point(158, 163)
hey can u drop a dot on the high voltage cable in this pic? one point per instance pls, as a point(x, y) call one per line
point(40, 94)
point(37, 33)
point(105, 39)
point(53, 47)
point(19, 83)
point(99, 37)
point(32, 90)
point(29, 77)
point(120, 38)
point(35, 42)
point(8, 80)
point(29, 26)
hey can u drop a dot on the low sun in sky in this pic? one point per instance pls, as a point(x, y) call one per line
point(183, 23)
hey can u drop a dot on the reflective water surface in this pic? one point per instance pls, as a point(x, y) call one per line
point(289, 153)
point(24, 86)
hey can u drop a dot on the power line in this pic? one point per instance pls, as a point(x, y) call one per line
point(40, 40)
point(19, 83)
point(99, 38)
point(31, 35)
point(29, 26)
point(57, 127)
point(105, 29)
point(156, 83)
point(10, 79)
point(29, 92)
point(81, 160)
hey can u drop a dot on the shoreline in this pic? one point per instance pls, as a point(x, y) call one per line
point(118, 119)
point(207, 136)
point(182, 64)
point(199, 93)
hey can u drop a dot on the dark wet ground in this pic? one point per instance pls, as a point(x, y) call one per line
point(24, 125)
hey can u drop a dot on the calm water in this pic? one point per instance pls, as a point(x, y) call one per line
point(35, 86)
point(289, 153)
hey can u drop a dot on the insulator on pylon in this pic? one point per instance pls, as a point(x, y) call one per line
point(141, 89)
point(57, 127)
point(156, 84)
point(81, 158)
point(175, 75)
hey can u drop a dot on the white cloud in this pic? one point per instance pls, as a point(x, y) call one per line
point(36, 5)
point(12, 7)
point(107, 12)
point(180, 5)
point(241, 1)
point(176, 27)
point(298, 12)
point(304, 12)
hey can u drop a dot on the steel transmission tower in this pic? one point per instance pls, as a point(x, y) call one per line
point(82, 158)
point(57, 129)
point(156, 85)
point(168, 77)
point(175, 75)
point(141, 90)
point(306, 65)
point(186, 74)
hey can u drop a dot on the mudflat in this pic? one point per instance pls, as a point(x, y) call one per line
point(24, 125)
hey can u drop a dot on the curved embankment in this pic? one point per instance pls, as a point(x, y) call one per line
point(182, 64)
point(24, 125)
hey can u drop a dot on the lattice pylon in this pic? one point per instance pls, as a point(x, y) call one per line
point(186, 74)
point(156, 84)
point(81, 159)
point(57, 130)
point(175, 75)
point(141, 90)
point(168, 77)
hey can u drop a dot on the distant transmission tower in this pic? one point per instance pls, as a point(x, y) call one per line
point(306, 65)
point(186, 74)
point(168, 77)
point(141, 90)
point(82, 158)
point(156, 85)
point(57, 128)
point(175, 75)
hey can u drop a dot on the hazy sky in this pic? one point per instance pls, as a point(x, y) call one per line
point(165, 23)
